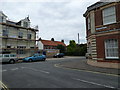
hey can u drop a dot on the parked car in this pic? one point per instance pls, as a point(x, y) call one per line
point(9, 58)
point(35, 57)
point(58, 55)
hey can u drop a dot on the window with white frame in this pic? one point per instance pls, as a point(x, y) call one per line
point(89, 23)
point(20, 35)
point(111, 49)
point(109, 15)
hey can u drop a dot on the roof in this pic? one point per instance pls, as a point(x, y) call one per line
point(95, 6)
point(11, 22)
point(52, 43)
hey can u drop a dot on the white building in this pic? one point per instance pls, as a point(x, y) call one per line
point(17, 37)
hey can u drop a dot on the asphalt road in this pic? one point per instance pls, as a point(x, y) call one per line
point(48, 75)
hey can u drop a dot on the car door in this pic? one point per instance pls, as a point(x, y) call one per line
point(37, 57)
point(34, 57)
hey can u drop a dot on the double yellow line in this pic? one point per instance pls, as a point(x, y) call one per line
point(3, 86)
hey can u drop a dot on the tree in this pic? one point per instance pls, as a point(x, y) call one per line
point(62, 48)
point(52, 39)
point(74, 49)
point(62, 40)
point(71, 47)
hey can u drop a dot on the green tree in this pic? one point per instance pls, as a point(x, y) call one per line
point(61, 48)
point(71, 47)
point(74, 49)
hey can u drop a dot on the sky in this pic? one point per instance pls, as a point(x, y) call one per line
point(58, 19)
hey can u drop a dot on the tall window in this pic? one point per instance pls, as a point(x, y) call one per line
point(89, 23)
point(29, 36)
point(109, 15)
point(111, 48)
point(20, 35)
point(1, 18)
point(5, 32)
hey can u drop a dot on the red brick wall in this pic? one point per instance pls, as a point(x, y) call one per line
point(100, 44)
point(98, 18)
point(118, 12)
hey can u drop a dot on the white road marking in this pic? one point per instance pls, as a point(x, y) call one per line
point(37, 70)
point(14, 69)
point(94, 83)
point(4, 70)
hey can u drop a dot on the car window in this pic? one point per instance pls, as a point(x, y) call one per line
point(0, 56)
point(57, 53)
point(6, 55)
point(12, 55)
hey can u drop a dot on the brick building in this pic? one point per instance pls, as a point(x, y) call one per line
point(49, 46)
point(103, 31)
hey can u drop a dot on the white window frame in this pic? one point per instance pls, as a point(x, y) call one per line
point(109, 15)
point(111, 46)
point(89, 23)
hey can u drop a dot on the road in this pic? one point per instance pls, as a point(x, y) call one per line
point(48, 75)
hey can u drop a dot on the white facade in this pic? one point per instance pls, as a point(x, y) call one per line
point(40, 45)
point(17, 38)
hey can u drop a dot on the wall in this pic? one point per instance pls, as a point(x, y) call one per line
point(40, 45)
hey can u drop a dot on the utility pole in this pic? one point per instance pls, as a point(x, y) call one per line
point(78, 39)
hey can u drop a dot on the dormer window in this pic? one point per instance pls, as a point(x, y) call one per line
point(25, 24)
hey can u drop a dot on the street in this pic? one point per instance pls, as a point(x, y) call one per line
point(48, 75)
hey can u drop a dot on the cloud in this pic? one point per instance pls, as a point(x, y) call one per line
point(55, 18)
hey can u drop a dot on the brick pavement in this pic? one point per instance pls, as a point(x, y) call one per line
point(82, 65)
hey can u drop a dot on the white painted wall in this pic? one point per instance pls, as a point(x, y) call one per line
point(40, 45)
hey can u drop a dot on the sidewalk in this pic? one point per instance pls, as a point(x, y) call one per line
point(82, 65)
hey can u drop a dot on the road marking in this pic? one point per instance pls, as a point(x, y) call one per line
point(37, 70)
point(93, 83)
point(14, 69)
point(57, 65)
point(3, 86)
point(4, 70)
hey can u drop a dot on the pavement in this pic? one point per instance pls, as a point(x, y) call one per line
point(83, 65)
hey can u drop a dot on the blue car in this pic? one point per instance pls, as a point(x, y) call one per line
point(35, 57)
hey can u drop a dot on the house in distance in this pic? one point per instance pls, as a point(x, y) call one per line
point(49, 46)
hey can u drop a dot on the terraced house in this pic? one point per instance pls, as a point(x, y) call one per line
point(103, 31)
point(17, 37)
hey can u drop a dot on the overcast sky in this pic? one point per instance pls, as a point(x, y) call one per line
point(58, 19)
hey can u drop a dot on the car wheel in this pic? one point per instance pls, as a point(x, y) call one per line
point(12, 61)
point(30, 60)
